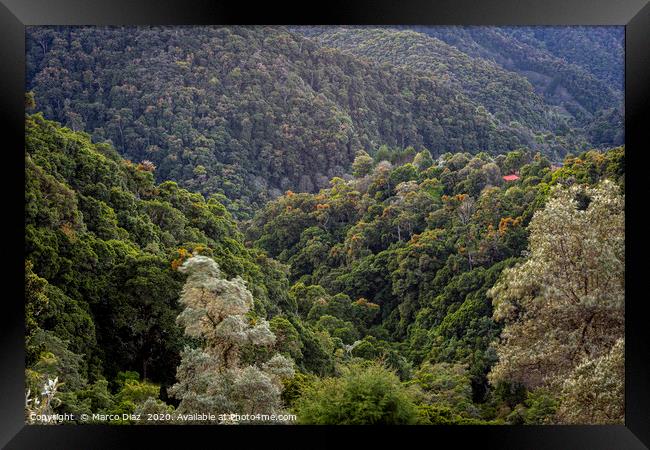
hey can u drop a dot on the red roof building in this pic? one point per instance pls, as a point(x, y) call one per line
point(512, 177)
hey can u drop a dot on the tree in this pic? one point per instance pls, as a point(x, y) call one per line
point(382, 154)
point(287, 338)
point(362, 164)
point(564, 304)
point(35, 298)
point(210, 378)
point(38, 406)
point(366, 393)
point(423, 160)
point(30, 103)
point(446, 384)
point(594, 392)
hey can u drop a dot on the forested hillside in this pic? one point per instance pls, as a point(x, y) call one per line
point(249, 112)
point(102, 245)
point(326, 225)
point(506, 96)
point(598, 50)
point(579, 69)
point(395, 265)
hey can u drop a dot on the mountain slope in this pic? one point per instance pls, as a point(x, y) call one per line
point(597, 49)
point(105, 240)
point(565, 79)
point(504, 94)
point(249, 112)
point(578, 68)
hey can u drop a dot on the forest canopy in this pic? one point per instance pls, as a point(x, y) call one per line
point(329, 225)
point(250, 112)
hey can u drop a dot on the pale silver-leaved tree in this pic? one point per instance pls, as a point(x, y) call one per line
point(563, 308)
point(595, 390)
point(210, 378)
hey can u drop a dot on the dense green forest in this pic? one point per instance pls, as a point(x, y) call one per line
point(315, 222)
point(579, 68)
point(249, 112)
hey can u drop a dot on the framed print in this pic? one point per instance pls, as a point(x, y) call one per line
point(412, 221)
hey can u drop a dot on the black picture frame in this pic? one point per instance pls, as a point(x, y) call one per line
point(633, 14)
